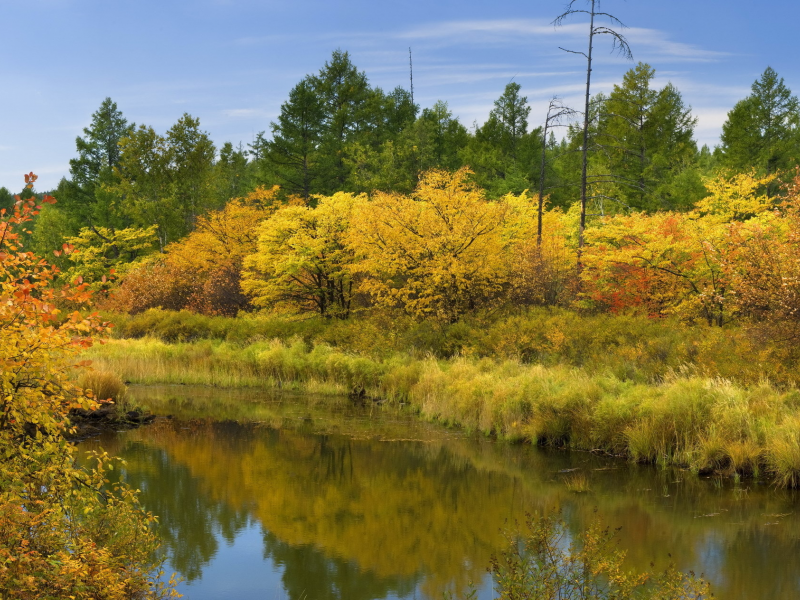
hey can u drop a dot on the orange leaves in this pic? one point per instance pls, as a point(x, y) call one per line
point(55, 540)
point(66, 250)
point(662, 263)
point(202, 271)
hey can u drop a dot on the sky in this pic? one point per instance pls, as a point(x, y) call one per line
point(232, 62)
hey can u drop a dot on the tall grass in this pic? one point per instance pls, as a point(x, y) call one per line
point(629, 347)
point(704, 423)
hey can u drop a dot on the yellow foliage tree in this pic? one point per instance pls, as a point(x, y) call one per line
point(64, 532)
point(201, 272)
point(98, 252)
point(678, 263)
point(438, 253)
point(735, 197)
point(302, 262)
point(665, 263)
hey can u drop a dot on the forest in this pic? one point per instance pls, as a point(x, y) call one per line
point(357, 199)
point(366, 246)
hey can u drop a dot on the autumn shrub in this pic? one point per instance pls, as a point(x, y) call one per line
point(100, 255)
point(301, 261)
point(201, 272)
point(154, 283)
point(543, 271)
point(65, 531)
point(439, 253)
point(186, 326)
point(673, 263)
point(628, 346)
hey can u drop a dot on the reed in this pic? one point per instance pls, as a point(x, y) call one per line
point(708, 424)
point(577, 483)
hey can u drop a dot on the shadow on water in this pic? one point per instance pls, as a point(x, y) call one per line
point(359, 502)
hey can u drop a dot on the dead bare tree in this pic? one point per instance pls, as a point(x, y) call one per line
point(556, 113)
point(620, 45)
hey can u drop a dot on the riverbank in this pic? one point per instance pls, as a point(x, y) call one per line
point(660, 413)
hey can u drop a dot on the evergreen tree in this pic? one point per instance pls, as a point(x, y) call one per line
point(440, 137)
point(233, 173)
point(761, 131)
point(166, 180)
point(645, 137)
point(502, 152)
point(81, 197)
point(191, 153)
point(511, 111)
point(345, 95)
point(331, 132)
point(293, 152)
point(6, 199)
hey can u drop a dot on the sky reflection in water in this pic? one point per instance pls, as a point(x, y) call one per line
point(265, 497)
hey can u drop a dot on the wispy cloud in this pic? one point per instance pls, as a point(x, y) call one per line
point(658, 44)
point(478, 31)
point(652, 42)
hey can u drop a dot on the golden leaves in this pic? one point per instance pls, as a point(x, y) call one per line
point(302, 260)
point(54, 525)
point(437, 253)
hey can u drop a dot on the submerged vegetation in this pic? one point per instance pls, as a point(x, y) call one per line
point(550, 563)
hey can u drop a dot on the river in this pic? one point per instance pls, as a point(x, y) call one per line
point(272, 496)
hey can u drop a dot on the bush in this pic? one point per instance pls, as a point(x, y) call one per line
point(549, 563)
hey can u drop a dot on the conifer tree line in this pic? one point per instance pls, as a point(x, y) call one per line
point(336, 132)
point(135, 192)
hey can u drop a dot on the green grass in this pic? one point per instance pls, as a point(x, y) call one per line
point(632, 348)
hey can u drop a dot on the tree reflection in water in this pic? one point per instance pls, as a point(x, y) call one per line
point(349, 511)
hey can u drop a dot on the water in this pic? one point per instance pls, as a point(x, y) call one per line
point(275, 497)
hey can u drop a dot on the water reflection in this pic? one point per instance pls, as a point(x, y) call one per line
point(357, 505)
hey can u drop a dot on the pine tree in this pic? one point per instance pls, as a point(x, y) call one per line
point(293, 151)
point(646, 139)
point(761, 131)
point(345, 95)
point(81, 197)
point(512, 111)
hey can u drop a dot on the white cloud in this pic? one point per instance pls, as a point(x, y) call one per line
point(656, 44)
point(648, 42)
point(469, 31)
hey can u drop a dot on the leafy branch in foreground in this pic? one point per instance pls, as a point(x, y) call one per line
point(550, 563)
point(65, 532)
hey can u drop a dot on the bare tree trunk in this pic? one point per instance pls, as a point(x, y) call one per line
point(585, 149)
point(621, 45)
point(561, 112)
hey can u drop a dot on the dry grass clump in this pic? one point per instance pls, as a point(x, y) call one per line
point(104, 385)
point(706, 424)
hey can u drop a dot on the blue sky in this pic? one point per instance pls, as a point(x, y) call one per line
point(232, 62)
